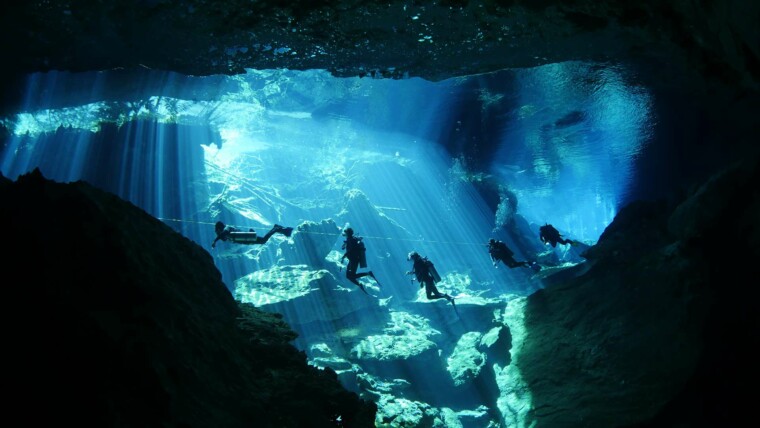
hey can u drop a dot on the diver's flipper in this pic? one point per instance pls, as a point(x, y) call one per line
point(372, 275)
point(454, 305)
point(282, 229)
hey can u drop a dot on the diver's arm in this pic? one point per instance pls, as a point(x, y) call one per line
point(411, 272)
point(223, 236)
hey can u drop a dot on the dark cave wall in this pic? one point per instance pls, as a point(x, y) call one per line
point(656, 333)
point(129, 324)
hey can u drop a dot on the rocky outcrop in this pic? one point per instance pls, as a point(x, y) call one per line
point(659, 331)
point(430, 39)
point(118, 320)
point(683, 44)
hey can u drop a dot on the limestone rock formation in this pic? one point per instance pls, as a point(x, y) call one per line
point(655, 333)
point(118, 320)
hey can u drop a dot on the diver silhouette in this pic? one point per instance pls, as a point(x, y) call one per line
point(426, 274)
point(355, 252)
point(232, 234)
point(549, 235)
point(499, 252)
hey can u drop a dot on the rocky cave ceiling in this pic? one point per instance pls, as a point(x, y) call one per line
point(433, 40)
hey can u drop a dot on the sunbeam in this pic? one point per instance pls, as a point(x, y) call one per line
point(409, 165)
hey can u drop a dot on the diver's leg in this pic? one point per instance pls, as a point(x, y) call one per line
point(512, 263)
point(429, 292)
point(287, 231)
point(351, 269)
point(265, 238)
point(358, 284)
point(351, 274)
point(432, 292)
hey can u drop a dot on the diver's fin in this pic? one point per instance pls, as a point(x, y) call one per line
point(284, 230)
point(454, 305)
point(372, 275)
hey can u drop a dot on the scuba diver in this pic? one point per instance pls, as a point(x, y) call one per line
point(355, 253)
point(499, 252)
point(229, 233)
point(426, 274)
point(550, 235)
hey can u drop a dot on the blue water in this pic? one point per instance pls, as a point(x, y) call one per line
point(561, 138)
point(433, 167)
